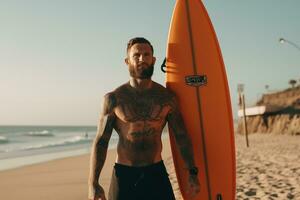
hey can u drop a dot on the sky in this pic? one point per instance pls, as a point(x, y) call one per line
point(58, 58)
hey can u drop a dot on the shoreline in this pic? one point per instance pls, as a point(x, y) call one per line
point(268, 169)
point(23, 161)
point(66, 178)
point(46, 155)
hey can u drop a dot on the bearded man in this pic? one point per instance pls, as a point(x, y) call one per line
point(138, 111)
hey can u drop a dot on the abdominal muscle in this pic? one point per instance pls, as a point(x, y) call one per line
point(139, 150)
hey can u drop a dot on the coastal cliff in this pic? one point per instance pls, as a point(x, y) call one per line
point(285, 119)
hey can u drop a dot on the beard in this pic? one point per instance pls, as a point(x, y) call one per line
point(144, 73)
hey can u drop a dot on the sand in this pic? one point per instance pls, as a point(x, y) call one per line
point(64, 179)
point(269, 169)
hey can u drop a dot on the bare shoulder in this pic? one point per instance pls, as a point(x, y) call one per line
point(109, 103)
point(120, 95)
point(170, 97)
point(115, 94)
point(121, 89)
point(163, 90)
point(168, 94)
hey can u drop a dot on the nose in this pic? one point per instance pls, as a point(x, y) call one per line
point(141, 58)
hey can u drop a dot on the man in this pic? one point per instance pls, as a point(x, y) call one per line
point(138, 111)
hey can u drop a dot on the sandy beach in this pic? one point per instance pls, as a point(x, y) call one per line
point(64, 178)
point(269, 169)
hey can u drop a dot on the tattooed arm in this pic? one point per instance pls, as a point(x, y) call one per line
point(100, 145)
point(184, 145)
point(181, 137)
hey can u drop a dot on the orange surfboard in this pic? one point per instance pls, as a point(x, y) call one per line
point(195, 72)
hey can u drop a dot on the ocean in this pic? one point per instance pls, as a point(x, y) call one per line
point(25, 145)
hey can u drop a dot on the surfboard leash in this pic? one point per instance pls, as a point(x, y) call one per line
point(163, 66)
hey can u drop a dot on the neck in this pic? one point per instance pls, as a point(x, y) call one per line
point(140, 83)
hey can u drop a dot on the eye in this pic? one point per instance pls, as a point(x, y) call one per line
point(136, 55)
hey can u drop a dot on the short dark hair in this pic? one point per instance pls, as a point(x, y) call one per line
point(137, 40)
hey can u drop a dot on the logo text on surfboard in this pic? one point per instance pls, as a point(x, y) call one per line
point(196, 80)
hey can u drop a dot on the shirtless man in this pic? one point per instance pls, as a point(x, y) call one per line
point(138, 111)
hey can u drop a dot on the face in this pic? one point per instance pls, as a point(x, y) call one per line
point(140, 61)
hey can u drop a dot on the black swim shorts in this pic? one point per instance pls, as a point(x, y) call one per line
point(140, 183)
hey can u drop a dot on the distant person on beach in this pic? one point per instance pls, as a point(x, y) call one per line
point(138, 110)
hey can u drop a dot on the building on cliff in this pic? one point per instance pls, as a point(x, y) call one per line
point(277, 113)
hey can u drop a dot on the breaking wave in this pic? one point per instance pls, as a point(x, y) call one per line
point(3, 140)
point(44, 133)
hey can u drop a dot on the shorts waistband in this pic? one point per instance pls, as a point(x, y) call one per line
point(155, 166)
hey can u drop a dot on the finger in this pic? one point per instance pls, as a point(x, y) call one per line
point(103, 197)
point(193, 191)
point(190, 191)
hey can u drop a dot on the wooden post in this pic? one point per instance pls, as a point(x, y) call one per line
point(242, 104)
point(245, 119)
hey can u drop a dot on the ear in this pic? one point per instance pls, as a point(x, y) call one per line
point(126, 60)
point(153, 60)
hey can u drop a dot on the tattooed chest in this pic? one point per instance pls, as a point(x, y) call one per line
point(141, 140)
point(142, 109)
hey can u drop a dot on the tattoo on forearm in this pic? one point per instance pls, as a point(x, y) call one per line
point(102, 143)
point(105, 127)
point(176, 123)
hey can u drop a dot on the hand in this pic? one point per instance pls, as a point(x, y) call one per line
point(194, 186)
point(97, 193)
